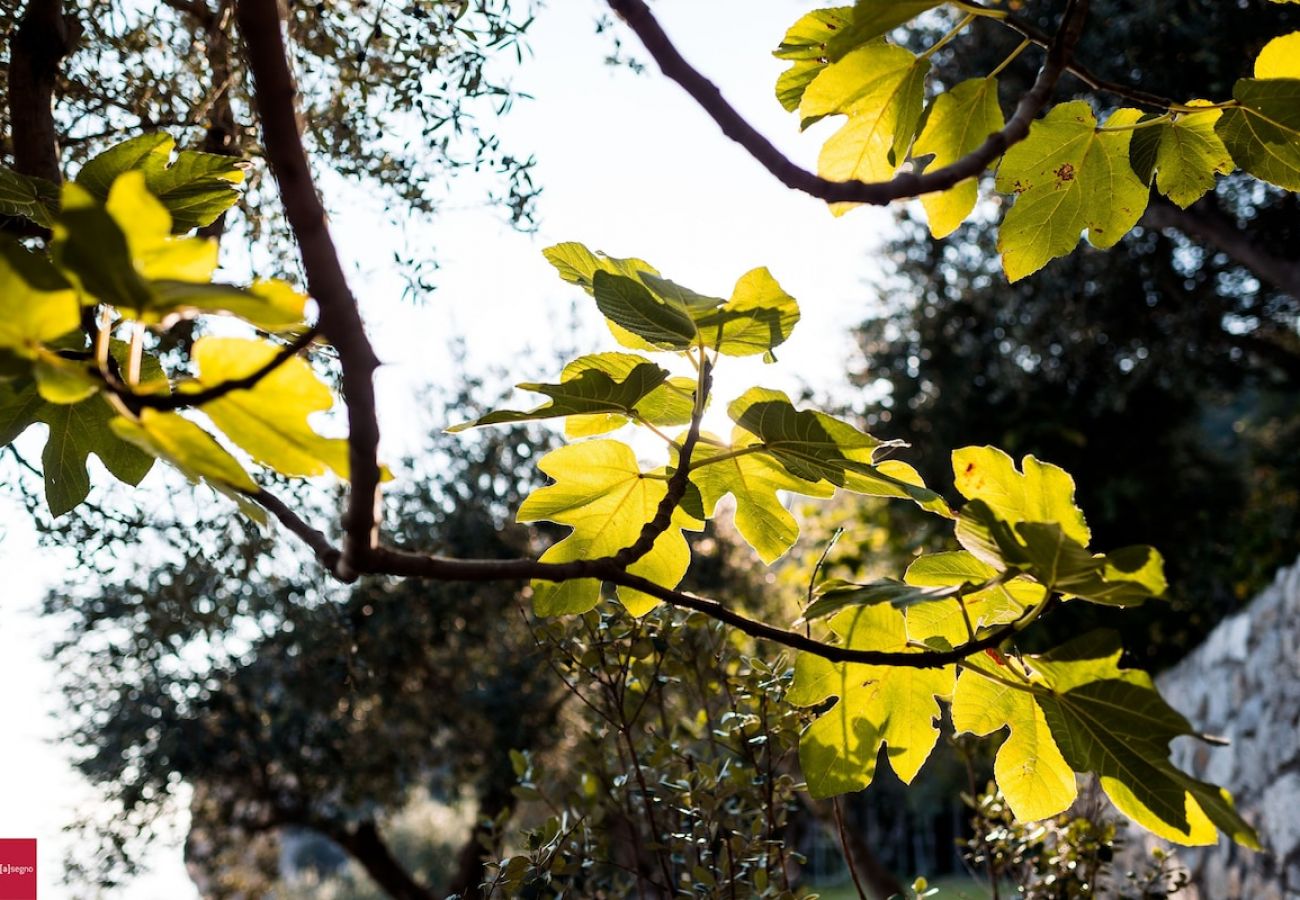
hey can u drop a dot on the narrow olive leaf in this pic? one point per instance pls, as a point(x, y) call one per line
point(1112, 722)
point(588, 391)
point(36, 305)
point(873, 19)
point(754, 480)
point(959, 121)
point(669, 404)
point(195, 188)
point(601, 491)
point(877, 705)
point(29, 197)
point(1184, 154)
point(805, 45)
point(1068, 177)
point(269, 420)
point(880, 87)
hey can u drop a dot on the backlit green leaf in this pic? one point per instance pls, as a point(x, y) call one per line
point(876, 705)
point(601, 491)
point(669, 404)
point(269, 421)
point(1263, 132)
point(177, 440)
point(195, 188)
point(587, 391)
point(805, 44)
point(754, 479)
point(959, 121)
point(1068, 178)
point(36, 305)
point(1184, 154)
point(880, 87)
point(27, 196)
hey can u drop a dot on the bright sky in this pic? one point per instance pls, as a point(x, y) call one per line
point(629, 166)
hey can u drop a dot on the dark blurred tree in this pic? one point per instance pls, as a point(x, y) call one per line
point(1168, 353)
point(288, 703)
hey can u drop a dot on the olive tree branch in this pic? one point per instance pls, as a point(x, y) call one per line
point(340, 319)
point(641, 20)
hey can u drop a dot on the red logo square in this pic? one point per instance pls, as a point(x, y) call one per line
point(17, 869)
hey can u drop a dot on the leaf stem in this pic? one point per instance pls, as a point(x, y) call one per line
point(1134, 126)
point(982, 11)
point(949, 37)
point(1011, 57)
point(136, 354)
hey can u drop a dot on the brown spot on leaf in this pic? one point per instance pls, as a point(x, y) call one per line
point(1065, 173)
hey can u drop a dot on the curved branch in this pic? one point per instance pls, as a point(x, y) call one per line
point(340, 319)
point(194, 399)
point(1205, 224)
point(909, 184)
point(672, 498)
point(1036, 35)
point(389, 561)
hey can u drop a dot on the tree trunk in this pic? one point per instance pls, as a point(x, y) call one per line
point(44, 36)
point(368, 848)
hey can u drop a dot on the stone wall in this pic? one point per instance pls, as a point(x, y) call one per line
point(1244, 683)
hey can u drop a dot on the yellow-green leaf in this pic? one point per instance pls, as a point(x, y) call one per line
point(36, 306)
point(600, 490)
point(753, 479)
point(1029, 768)
point(671, 403)
point(890, 705)
point(1041, 492)
point(177, 440)
point(805, 44)
point(1185, 154)
point(959, 121)
point(1068, 177)
point(991, 606)
point(1280, 57)
point(880, 87)
point(269, 421)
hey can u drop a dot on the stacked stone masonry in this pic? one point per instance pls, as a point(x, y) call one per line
point(1243, 683)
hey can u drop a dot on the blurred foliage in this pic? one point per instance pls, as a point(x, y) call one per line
point(1159, 353)
point(216, 656)
point(1066, 857)
point(395, 97)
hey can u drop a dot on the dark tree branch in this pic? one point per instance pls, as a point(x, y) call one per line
point(340, 319)
point(45, 35)
point(400, 563)
point(367, 846)
point(909, 184)
point(672, 498)
point(1205, 224)
point(1036, 35)
point(194, 399)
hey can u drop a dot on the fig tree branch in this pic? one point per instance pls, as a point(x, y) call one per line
point(641, 20)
